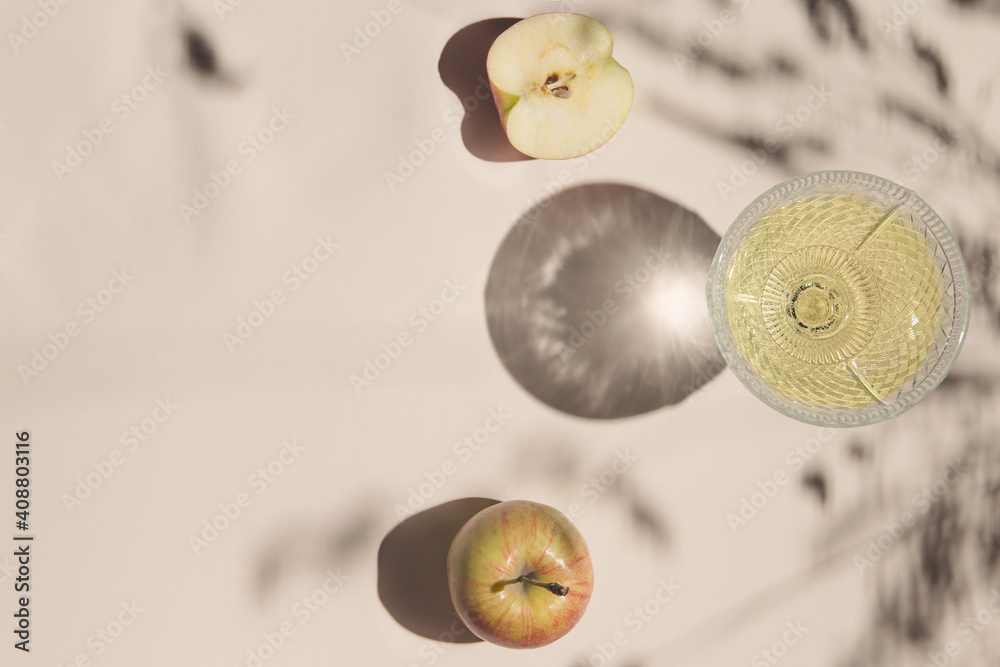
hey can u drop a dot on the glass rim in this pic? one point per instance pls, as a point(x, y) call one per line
point(889, 191)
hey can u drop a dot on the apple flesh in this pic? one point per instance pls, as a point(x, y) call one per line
point(559, 92)
point(520, 574)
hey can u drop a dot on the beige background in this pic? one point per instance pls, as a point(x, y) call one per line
point(162, 336)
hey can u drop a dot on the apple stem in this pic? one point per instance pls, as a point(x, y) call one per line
point(555, 588)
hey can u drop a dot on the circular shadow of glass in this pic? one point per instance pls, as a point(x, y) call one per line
point(413, 570)
point(596, 304)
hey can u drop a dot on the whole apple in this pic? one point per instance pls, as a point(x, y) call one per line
point(559, 92)
point(520, 574)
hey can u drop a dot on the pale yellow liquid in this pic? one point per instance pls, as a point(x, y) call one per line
point(835, 301)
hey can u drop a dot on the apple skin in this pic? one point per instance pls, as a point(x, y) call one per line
point(509, 540)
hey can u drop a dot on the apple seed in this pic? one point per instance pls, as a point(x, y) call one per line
point(556, 85)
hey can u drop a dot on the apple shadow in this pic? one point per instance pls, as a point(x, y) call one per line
point(462, 68)
point(412, 570)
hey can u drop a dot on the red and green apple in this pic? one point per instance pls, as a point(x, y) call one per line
point(520, 574)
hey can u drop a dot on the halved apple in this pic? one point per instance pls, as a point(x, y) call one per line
point(559, 92)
